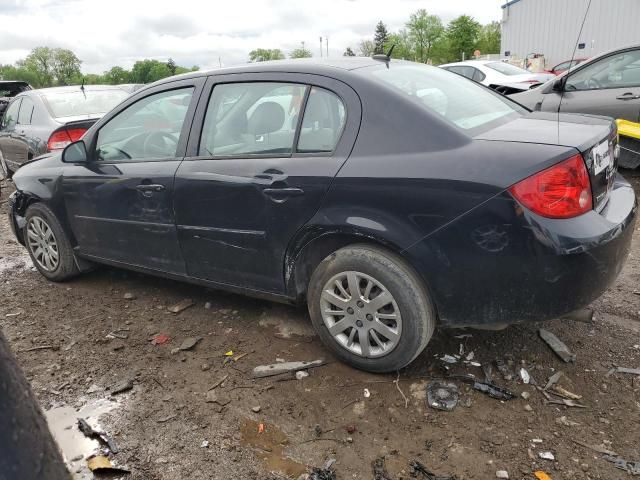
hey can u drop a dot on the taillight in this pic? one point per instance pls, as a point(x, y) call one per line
point(61, 138)
point(561, 191)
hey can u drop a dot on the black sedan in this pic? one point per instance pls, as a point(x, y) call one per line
point(391, 197)
point(40, 121)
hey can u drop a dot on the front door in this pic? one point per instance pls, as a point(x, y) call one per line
point(120, 204)
point(263, 155)
point(13, 150)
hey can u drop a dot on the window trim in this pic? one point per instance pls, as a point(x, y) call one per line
point(33, 108)
point(183, 137)
point(294, 152)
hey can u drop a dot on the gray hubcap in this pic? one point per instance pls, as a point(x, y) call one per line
point(42, 243)
point(361, 314)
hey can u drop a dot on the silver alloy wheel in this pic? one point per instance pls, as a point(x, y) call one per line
point(361, 314)
point(42, 243)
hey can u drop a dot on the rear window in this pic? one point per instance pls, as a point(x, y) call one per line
point(506, 68)
point(91, 102)
point(466, 104)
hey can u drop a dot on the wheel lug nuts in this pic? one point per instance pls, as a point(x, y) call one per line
point(350, 311)
point(359, 323)
point(360, 304)
point(369, 317)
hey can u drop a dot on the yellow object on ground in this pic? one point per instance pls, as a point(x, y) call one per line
point(540, 475)
point(628, 129)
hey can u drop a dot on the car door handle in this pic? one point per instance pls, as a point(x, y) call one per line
point(149, 189)
point(283, 192)
point(628, 96)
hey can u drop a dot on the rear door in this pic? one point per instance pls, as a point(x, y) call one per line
point(120, 204)
point(609, 86)
point(12, 148)
point(257, 170)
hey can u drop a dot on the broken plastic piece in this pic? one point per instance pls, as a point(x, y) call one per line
point(325, 473)
point(547, 455)
point(630, 467)
point(442, 395)
point(524, 375)
point(416, 468)
point(261, 428)
point(180, 306)
point(90, 432)
point(102, 464)
point(494, 391)
point(278, 368)
point(540, 475)
point(449, 359)
point(557, 346)
point(160, 339)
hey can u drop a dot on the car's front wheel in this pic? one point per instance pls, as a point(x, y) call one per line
point(370, 308)
point(48, 245)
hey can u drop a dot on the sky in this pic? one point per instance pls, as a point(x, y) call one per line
point(207, 33)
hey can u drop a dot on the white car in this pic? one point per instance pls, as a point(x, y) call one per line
point(501, 76)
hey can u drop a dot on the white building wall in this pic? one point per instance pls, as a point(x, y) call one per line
point(551, 27)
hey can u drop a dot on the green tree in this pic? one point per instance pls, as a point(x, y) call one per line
point(180, 69)
point(65, 66)
point(462, 35)
point(39, 61)
point(300, 53)
point(402, 45)
point(171, 65)
point(424, 31)
point(348, 52)
point(264, 54)
point(489, 39)
point(12, 72)
point(380, 37)
point(116, 76)
point(367, 48)
point(147, 71)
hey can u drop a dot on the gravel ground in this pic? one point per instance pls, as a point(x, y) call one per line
point(168, 427)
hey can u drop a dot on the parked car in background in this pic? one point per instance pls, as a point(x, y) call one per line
point(566, 65)
point(49, 119)
point(501, 76)
point(608, 84)
point(8, 90)
point(456, 207)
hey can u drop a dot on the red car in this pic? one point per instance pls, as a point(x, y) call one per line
point(566, 65)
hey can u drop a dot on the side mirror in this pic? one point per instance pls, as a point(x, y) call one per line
point(75, 152)
point(558, 85)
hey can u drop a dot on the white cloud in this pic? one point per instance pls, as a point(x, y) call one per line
point(104, 33)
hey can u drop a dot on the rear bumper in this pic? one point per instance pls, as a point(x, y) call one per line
point(503, 264)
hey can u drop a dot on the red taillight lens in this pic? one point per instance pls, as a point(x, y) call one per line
point(61, 138)
point(561, 191)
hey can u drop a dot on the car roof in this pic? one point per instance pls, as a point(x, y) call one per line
point(74, 88)
point(470, 63)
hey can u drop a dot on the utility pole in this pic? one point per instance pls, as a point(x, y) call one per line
point(320, 47)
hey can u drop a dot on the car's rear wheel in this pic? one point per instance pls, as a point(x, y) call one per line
point(48, 245)
point(370, 308)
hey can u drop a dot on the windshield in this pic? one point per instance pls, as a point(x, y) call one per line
point(464, 103)
point(506, 68)
point(91, 102)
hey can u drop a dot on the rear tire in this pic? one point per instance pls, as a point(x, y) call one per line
point(386, 324)
point(48, 245)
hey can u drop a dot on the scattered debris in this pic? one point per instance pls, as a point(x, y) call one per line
point(122, 386)
point(167, 418)
point(557, 346)
point(524, 375)
point(397, 382)
point(117, 334)
point(41, 347)
point(540, 475)
point(207, 305)
point(12, 314)
point(528, 408)
point(212, 397)
point(494, 391)
point(547, 456)
point(229, 353)
point(567, 402)
point(566, 422)
point(204, 444)
point(351, 429)
point(595, 448)
point(631, 371)
point(218, 383)
point(379, 469)
point(367, 393)
point(553, 379)
point(278, 368)
point(89, 432)
point(442, 395)
point(525, 395)
point(181, 306)
point(325, 473)
point(102, 464)
point(160, 339)
point(256, 409)
point(502, 474)
point(300, 374)
point(129, 296)
point(449, 359)
point(416, 468)
point(630, 467)
point(504, 370)
point(189, 343)
point(261, 428)
point(561, 392)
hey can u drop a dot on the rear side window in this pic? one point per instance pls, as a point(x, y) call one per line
point(11, 115)
point(478, 76)
point(26, 111)
point(322, 123)
point(258, 118)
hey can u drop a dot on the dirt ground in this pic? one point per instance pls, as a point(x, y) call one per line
point(167, 426)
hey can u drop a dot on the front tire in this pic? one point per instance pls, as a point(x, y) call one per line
point(48, 245)
point(370, 308)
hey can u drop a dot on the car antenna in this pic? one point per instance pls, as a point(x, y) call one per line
point(384, 57)
point(82, 89)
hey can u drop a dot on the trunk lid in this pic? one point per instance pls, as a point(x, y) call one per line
point(596, 138)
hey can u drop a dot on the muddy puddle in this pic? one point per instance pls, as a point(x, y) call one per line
point(270, 443)
point(75, 447)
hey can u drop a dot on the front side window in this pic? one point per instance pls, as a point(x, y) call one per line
point(615, 71)
point(11, 115)
point(26, 111)
point(322, 123)
point(148, 129)
point(258, 118)
point(465, 104)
